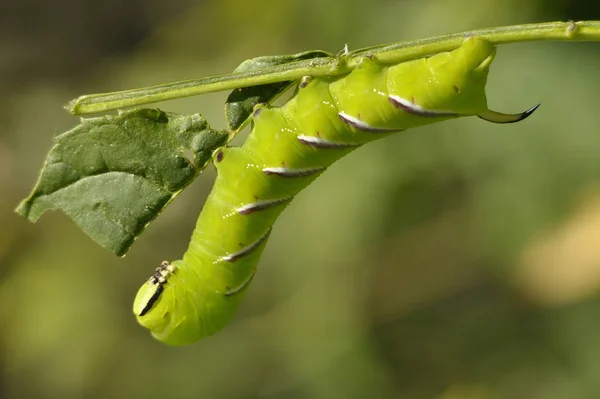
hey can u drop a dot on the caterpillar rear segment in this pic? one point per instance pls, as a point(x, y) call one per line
point(288, 148)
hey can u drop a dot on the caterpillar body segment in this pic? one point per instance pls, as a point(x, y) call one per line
point(287, 149)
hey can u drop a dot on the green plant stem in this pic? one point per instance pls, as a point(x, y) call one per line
point(391, 53)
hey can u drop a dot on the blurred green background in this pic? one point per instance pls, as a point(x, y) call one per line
point(458, 261)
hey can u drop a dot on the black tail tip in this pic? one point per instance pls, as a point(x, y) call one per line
point(497, 117)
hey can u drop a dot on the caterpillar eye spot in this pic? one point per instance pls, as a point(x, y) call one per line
point(456, 89)
point(220, 156)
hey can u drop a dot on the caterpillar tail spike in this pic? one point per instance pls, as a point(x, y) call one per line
point(497, 117)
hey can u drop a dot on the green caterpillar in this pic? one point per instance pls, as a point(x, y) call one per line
point(288, 148)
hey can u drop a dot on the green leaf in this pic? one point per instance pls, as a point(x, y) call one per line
point(241, 102)
point(114, 174)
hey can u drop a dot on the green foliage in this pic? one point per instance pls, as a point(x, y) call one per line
point(113, 174)
point(241, 102)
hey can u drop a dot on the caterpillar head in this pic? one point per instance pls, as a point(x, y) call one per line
point(176, 314)
point(451, 84)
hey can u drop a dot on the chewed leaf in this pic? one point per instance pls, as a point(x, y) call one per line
point(241, 102)
point(114, 174)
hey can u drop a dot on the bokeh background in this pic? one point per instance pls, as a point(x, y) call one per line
point(458, 261)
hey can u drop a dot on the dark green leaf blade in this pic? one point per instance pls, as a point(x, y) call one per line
point(114, 174)
point(241, 102)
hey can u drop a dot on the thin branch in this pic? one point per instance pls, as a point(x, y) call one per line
point(333, 66)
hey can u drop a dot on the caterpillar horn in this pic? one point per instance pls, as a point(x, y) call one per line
point(497, 117)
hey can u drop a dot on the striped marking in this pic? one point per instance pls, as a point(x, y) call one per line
point(289, 172)
point(153, 299)
point(415, 109)
point(364, 126)
point(247, 250)
point(159, 278)
point(318, 142)
point(261, 205)
point(234, 291)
